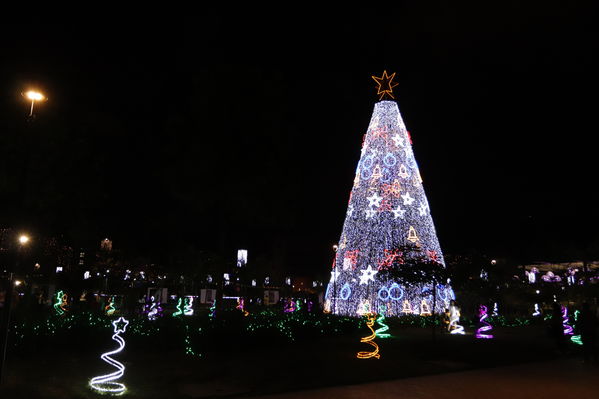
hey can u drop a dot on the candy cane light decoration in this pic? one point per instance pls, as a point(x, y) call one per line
point(106, 383)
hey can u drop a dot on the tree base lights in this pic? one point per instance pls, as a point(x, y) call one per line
point(106, 384)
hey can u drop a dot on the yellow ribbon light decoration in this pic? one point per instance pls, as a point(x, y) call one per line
point(369, 340)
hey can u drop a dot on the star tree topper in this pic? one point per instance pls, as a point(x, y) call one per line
point(386, 85)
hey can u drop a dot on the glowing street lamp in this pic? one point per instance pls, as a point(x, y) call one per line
point(34, 96)
point(23, 239)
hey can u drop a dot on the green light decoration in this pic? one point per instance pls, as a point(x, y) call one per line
point(188, 349)
point(60, 306)
point(212, 313)
point(380, 332)
point(577, 339)
point(109, 309)
point(179, 311)
point(298, 305)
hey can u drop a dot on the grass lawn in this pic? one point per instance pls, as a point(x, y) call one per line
point(230, 365)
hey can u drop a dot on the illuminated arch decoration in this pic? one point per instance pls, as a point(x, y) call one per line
point(369, 340)
point(107, 383)
point(387, 213)
point(482, 331)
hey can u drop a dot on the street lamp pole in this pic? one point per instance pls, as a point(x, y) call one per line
point(34, 96)
point(4, 327)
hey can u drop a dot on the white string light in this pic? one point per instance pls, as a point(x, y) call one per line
point(106, 383)
point(387, 210)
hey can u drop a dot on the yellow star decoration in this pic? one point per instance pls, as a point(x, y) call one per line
point(386, 85)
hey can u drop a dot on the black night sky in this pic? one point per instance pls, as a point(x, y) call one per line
point(222, 132)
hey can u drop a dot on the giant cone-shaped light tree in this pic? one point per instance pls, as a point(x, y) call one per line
point(388, 226)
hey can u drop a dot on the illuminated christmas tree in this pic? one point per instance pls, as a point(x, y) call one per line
point(388, 227)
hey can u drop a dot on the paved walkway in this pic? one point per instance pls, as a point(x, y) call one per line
point(563, 379)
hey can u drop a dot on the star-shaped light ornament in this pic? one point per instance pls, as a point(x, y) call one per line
point(385, 85)
point(120, 325)
point(369, 213)
point(407, 199)
point(374, 200)
point(367, 275)
point(398, 213)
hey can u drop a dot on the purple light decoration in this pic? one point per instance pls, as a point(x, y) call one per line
point(289, 306)
point(152, 309)
point(568, 330)
point(485, 326)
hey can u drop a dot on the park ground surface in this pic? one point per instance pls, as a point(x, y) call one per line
point(519, 362)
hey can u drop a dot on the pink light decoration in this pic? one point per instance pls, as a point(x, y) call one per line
point(485, 326)
point(568, 330)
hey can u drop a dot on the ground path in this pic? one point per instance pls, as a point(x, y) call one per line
point(564, 378)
